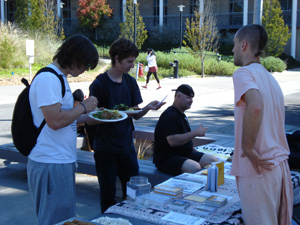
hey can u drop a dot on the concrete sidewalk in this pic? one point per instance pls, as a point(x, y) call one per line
point(213, 107)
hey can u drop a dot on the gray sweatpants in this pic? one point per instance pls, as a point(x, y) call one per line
point(52, 188)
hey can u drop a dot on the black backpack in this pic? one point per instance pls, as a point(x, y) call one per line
point(24, 132)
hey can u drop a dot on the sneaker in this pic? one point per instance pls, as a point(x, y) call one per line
point(144, 86)
point(158, 88)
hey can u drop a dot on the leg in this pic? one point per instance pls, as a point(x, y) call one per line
point(171, 164)
point(106, 172)
point(190, 166)
point(260, 197)
point(157, 80)
point(207, 159)
point(52, 187)
point(148, 78)
point(127, 167)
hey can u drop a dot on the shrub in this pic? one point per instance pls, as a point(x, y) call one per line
point(290, 61)
point(6, 47)
point(164, 41)
point(215, 67)
point(13, 46)
point(273, 64)
point(226, 43)
point(11, 50)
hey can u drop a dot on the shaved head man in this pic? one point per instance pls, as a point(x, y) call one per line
point(261, 150)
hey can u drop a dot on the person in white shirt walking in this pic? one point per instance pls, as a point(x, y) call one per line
point(151, 58)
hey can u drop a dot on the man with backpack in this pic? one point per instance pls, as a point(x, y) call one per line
point(52, 161)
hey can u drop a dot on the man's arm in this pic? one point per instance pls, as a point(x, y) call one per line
point(154, 105)
point(57, 118)
point(251, 125)
point(252, 118)
point(181, 139)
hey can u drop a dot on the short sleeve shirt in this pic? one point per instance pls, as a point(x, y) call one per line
point(271, 140)
point(171, 122)
point(117, 136)
point(53, 146)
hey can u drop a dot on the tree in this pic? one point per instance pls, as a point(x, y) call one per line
point(278, 32)
point(38, 15)
point(201, 34)
point(91, 12)
point(52, 25)
point(127, 28)
point(30, 14)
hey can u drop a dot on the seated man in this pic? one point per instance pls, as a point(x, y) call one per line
point(174, 152)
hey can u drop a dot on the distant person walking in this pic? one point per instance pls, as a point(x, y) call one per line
point(151, 58)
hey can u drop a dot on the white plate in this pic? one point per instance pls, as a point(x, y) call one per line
point(124, 116)
point(130, 112)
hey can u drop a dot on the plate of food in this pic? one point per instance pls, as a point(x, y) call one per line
point(108, 115)
point(126, 109)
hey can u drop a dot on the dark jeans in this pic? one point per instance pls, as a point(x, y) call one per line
point(155, 75)
point(109, 166)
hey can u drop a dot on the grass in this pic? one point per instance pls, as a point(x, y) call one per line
point(143, 148)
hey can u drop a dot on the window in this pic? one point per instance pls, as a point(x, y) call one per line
point(66, 12)
point(236, 12)
point(121, 10)
point(11, 9)
point(286, 4)
point(193, 6)
point(156, 12)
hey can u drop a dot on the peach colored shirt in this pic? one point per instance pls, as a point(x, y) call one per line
point(271, 140)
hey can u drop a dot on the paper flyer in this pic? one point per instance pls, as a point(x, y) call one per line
point(180, 218)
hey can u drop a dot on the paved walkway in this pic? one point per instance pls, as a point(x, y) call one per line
point(213, 107)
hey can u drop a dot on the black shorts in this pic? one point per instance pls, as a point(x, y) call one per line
point(173, 163)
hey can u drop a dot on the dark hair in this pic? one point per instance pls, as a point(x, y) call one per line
point(78, 95)
point(122, 48)
point(256, 35)
point(150, 50)
point(77, 51)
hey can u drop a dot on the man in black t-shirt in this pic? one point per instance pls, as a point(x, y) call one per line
point(113, 145)
point(174, 152)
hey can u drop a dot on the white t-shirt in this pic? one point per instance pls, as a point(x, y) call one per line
point(53, 146)
point(151, 60)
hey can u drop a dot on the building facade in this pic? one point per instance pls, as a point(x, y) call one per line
point(165, 14)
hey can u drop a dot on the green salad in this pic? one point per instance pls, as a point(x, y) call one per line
point(107, 115)
point(122, 107)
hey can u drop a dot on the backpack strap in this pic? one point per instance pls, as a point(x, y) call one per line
point(63, 88)
point(48, 69)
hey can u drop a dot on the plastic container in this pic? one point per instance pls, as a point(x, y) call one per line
point(138, 186)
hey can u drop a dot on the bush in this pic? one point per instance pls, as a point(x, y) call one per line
point(164, 41)
point(273, 64)
point(189, 65)
point(6, 47)
point(226, 43)
point(290, 61)
point(13, 46)
point(11, 50)
point(215, 67)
